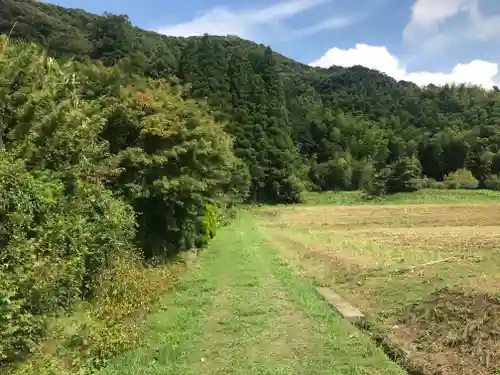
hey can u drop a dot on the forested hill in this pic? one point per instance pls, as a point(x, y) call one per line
point(294, 126)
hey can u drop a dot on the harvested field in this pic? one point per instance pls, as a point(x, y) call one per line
point(428, 274)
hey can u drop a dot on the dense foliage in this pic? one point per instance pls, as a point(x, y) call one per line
point(89, 169)
point(293, 125)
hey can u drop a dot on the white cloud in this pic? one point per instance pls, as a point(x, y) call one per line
point(476, 72)
point(428, 15)
point(332, 23)
point(218, 21)
point(336, 22)
point(223, 21)
point(436, 24)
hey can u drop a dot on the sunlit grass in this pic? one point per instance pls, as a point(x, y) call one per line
point(425, 196)
point(242, 311)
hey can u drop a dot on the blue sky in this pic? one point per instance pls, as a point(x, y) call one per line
point(425, 41)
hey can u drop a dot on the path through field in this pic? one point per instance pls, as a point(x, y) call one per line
point(241, 310)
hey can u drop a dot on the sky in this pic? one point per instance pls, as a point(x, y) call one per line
point(423, 41)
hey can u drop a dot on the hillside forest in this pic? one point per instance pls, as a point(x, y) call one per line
point(118, 140)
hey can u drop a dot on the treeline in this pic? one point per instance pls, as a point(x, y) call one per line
point(295, 127)
point(95, 162)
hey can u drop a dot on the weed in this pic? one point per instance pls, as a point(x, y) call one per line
point(86, 339)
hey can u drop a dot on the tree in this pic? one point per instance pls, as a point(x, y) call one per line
point(174, 161)
point(113, 38)
point(402, 176)
point(405, 176)
point(282, 114)
point(335, 174)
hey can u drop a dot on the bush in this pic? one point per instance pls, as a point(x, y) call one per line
point(430, 183)
point(377, 186)
point(362, 173)
point(405, 176)
point(172, 160)
point(53, 248)
point(402, 176)
point(461, 179)
point(210, 224)
point(84, 340)
point(333, 175)
point(452, 185)
point(492, 182)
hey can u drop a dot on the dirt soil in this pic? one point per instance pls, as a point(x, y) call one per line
point(453, 332)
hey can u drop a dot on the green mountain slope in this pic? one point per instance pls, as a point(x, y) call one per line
point(294, 125)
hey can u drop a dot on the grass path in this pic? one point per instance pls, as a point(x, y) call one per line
point(241, 311)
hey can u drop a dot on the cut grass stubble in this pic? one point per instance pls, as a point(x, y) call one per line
point(392, 260)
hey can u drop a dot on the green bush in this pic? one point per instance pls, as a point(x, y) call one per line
point(172, 159)
point(83, 340)
point(53, 248)
point(362, 173)
point(377, 185)
point(430, 183)
point(461, 179)
point(333, 175)
point(402, 176)
point(492, 182)
point(209, 223)
point(405, 176)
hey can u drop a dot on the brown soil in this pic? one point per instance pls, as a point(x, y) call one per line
point(453, 332)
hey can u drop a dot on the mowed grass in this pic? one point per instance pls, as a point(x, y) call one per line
point(241, 310)
point(424, 272)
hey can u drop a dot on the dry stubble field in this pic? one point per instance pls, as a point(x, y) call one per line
point(428, 276)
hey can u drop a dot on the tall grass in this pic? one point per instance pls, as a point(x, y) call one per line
point(85, 339)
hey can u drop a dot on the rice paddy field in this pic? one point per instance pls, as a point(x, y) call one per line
point(426, 273)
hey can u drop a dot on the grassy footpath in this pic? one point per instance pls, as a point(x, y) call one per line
point(242, 311)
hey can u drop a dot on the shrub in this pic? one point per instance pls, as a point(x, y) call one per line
point(333, 174)
point(362, 173)
point(405, 176)
point(209, 224)
point(402, 176)
point(60, 226)
point(53, 248)
point(430, 183)
point(377, 186)
point(85, 339)
point(43, 120)
point(452, 184)
point(172, 159)
point(492, 182)
point(461, 179)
